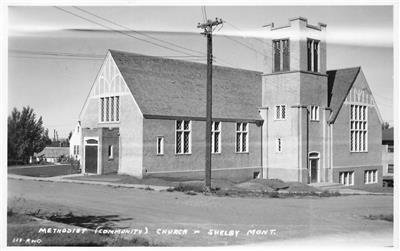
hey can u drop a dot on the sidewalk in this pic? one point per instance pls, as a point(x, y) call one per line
point(342, 189)
point(64, 179)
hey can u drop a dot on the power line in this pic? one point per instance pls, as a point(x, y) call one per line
point(48, 54)
point(138, 32)
point(123, 33)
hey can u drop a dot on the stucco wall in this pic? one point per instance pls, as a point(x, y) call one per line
point(282, 89)
point(192, 165)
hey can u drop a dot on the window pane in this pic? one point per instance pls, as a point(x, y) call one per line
point(277, 56)
point(186, 142)
point(117, 108)
point(283, 111)
point(216, 142)
point(286, 55)
point(107, 109)
point(244, 142)
point(112, 109)
point(278, 112)
point(178, 142)
point(316, 45)
point(186, 125)
point(390, 168)
point(178, 124)
point(238, 127)
point(238, 142)
point(309, 55)
point(102, 109)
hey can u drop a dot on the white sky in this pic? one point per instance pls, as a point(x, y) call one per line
point(56, 87)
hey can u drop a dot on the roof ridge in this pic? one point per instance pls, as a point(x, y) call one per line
point(347, 68)
point(182, 61)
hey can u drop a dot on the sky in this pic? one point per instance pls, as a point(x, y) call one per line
point(55, 54)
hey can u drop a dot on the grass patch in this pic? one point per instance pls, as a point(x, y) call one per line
point(45, 171)
point(384, 217)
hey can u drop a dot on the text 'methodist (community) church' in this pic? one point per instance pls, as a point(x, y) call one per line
point(294, 121)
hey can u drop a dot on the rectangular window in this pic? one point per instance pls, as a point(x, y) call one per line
point(278, 145)
point(216, 137)
point(314, 113)
point(242, 140)
point(109, 109)
point(371, 176)
point(281, 50)
point(390, 149)
point(160, 145)
point(390, 168)
point(346, 178)
point(110, 152)
point(182, 137)
point(313, 55)
point(358, 128)
point(280, 112)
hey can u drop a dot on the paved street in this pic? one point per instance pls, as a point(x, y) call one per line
point(292, 218)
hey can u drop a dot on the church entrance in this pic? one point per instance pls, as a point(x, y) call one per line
point(314, 167)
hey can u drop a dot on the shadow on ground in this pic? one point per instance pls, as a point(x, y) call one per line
point(86, 221)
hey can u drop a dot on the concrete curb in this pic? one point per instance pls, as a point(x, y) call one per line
point(62, 179)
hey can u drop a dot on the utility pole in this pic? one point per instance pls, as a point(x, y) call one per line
point(208, 29)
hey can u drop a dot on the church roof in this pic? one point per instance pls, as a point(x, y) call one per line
point(169, 88)
point(339, 84)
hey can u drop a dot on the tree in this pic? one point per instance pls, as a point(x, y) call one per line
point(385, 125)
point(26, 135)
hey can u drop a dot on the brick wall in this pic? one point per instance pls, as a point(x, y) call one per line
point(231, 164)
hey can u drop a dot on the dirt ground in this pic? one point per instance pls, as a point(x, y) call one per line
point(279, 220)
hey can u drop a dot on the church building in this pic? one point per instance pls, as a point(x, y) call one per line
point(295, 121)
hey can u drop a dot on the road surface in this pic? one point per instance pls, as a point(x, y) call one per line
point(211, 220)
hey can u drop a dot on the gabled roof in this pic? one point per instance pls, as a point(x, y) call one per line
point(388, 134)
point(340, 83)
point(54, 152)
point(167, 87)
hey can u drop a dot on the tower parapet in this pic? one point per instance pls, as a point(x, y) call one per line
point(297, 46)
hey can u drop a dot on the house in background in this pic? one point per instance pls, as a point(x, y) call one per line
point(388, 156)
point(75, 142)
point(295, 121)
point(52, 154)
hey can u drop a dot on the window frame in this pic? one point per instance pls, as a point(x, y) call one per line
point(311, 63)
point(280, 112)
point(241, 132)
point(213, 133)
point(182, 132)
point(371, 176)
point(278, 145)
point(281, 67)
point(346, 178)
point(390, 166)
point(110, 152)
point(160, 145)
point(358, 125)
point(114, 102)
point(314, 113)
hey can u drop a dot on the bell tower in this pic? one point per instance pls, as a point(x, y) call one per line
point(294, 102)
